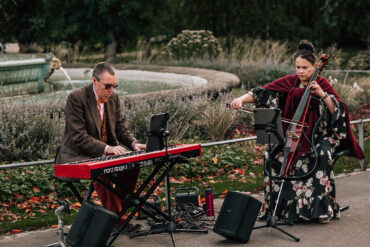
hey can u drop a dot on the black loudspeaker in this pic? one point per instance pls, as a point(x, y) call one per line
point(237, 216)
point(92, 226)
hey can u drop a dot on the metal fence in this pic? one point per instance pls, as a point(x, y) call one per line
point(360, 123)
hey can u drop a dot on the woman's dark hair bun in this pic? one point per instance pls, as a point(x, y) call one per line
point(306, 45)
point(306, 50)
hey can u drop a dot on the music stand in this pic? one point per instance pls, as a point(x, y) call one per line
point(155, 134)
point(269, 131)
point(157, 140)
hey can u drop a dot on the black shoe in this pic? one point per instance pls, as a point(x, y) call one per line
point(262, 217)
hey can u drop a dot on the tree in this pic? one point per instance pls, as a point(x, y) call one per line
point(22, 20)
point(114, 24)
point(347, 22)
point(110, 22)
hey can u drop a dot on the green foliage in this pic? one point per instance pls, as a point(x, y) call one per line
point(15, 15)
point(346, 26)
point(194, 44)
point(93, 22)
point(349, 164)
point(39, 220)
point(219, 160)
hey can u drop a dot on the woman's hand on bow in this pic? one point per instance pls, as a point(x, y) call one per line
point(236, 103)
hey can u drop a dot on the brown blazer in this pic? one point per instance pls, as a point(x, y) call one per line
point(81, 139)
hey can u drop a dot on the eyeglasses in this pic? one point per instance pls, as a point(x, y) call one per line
point(109, 86)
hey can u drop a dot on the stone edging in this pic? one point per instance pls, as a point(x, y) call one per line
point(216, 80)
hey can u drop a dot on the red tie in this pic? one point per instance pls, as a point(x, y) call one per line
point(102, 120)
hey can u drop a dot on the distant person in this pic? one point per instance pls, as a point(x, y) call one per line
point(313, 197)
point(2, 48)
point(94, 127)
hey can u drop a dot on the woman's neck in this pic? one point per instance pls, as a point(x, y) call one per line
point(304, 83)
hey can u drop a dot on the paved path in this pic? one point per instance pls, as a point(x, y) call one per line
point(353, 229)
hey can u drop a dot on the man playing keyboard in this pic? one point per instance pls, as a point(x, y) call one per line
point(95, 127)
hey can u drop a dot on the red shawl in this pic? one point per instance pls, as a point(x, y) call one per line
point(289, 85)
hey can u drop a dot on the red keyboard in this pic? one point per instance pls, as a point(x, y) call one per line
point(102, 166)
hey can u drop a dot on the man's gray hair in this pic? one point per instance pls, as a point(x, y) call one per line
point(102, 67)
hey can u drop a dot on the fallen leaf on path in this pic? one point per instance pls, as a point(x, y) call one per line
point(15, 231)
point(215, 160)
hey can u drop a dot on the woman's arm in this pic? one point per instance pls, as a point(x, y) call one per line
point(238, 102)
point(316, 89)
point(329, 103)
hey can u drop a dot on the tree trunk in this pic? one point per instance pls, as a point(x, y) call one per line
point(148, 48)
point(111, 48)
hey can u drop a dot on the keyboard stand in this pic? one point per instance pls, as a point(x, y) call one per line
point(168, 225)
point(135, 201)
point(138, 203)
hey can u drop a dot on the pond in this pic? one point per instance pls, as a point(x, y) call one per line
point(63, 81)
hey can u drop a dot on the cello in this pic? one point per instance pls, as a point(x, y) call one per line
point(295, 130)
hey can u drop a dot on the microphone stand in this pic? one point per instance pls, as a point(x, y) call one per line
point(171, 228)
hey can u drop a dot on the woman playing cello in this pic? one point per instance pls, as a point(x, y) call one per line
point(312, 197)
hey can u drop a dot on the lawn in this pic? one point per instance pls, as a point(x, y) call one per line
point(38, 212)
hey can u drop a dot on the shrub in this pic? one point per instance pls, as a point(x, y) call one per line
point(196, 44)
point(360, 61)
point(184, 114)
point(217, 119)
point(29, 131)
point(353, 95)
point(257, 52)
